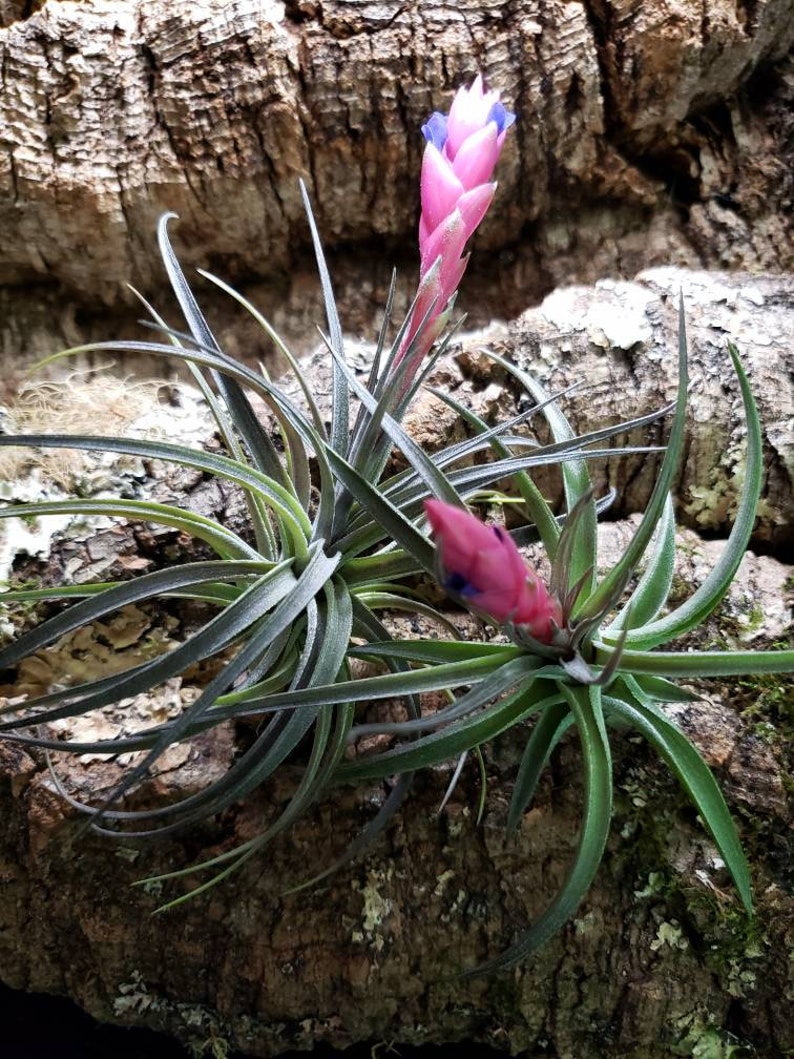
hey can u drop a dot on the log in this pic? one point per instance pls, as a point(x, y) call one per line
point(644, 136)
point(659, 959)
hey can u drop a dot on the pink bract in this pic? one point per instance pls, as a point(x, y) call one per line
point(482, 565)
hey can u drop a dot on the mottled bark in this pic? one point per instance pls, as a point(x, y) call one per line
point(620, 342)
point(658, 958)
point(645, 134)
point(617, 342)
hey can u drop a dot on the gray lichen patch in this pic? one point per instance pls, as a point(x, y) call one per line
point(377, 907)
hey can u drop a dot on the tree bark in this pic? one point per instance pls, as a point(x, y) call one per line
point(647, 134)
point(644, 135)
point(658, 960)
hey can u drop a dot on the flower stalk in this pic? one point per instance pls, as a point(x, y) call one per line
point(460, 155)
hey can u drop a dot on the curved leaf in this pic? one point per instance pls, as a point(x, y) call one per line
point(701, 603)
point(548, 729)
point(248, 478)
point(653, 588)
point(219, 633)
point(677, 664)
point(340, 405)
point(585, 705)
point(576, 477)
point(613, 585)
point(461, 735)
point(695, 777)
point(116, 596)
point(223, 541)
point(311, 580)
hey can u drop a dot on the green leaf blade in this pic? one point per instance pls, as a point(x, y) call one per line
point(703, 601)
point(585, 705)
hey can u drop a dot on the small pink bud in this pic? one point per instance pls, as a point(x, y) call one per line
point(483, 565)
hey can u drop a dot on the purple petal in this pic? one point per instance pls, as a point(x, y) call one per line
point(458, 583)
point(501, 117)
point(435, 131)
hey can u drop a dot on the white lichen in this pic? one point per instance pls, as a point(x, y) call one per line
point(670, 935)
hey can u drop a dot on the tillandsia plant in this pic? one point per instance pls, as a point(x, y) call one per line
point(319, 563)
point(296, 601)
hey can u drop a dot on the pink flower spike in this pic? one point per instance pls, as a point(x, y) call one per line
point(500, 603)
point(446, 241)
point(449, 238)
point(451, 275)
point(427, 300)
point(468, 113)
point(475, 204)
point(424, 231)
point(538, 611)
point(429, 291)
point(460, 154)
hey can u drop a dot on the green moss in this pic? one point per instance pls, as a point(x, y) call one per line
point(766, 704)
point(770, 697)
point(689, 908)
point(734, 945)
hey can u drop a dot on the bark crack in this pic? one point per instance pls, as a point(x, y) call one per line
point(151, 64)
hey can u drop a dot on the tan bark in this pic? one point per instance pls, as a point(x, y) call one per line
point(641, 138)
point(620, 340)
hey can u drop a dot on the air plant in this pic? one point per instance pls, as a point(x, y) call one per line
point(319, 564)
point(296, 602)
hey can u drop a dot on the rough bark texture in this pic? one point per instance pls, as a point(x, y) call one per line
point(646, 133)
point(659, 959)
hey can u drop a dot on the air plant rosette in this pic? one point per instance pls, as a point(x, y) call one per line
point(336, 538)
